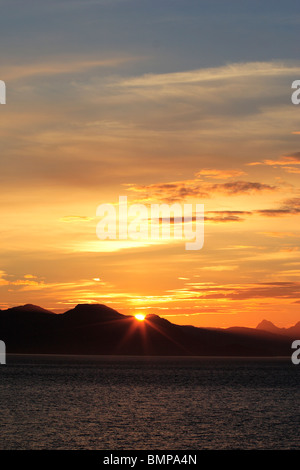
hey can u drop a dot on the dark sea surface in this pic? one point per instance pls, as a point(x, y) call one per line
point(154, 403)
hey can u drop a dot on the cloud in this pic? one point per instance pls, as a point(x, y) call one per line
point(284, 160)
point(279, 234)
point(168, 192)
point(227, 72)
point(27, 283)
point(289, 207)
point(219, 268)
point(67, 66)
point(226, 216)
point(180, 190)
point(126, 122)
point(32, 283)
point(3, 281)
point(219, 174)
point(274, 212)
point(283, 290)
point(241, 187)
point(212, 217)
point(76, 218)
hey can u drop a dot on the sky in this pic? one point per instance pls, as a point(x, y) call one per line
point(170, 101)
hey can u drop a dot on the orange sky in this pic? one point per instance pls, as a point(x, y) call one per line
point(80, 130)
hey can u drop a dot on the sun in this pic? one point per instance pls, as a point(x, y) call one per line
point(139, 317)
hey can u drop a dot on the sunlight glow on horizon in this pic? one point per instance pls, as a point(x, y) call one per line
point(140, 317)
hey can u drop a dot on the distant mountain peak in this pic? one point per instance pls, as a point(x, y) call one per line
point(267, 326)
point(93, 312)
point(32, 306)
point(29, 308)
point(89, 305)
point(93, 308)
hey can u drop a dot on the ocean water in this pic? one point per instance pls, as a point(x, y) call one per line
point(154, 403)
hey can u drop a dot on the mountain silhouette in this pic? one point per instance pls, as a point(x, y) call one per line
point(267, 326)
point(292, 332)
point(98, 329)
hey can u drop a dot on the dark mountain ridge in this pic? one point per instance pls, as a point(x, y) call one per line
point(98, 329)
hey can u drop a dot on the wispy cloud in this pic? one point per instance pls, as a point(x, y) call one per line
point(180, 190)
point(64, 66)
point(219, 174)
point(288, 207)
point(285, 161)
point(228, 72)
point(226, 216)
point(285, 290)
point(76, 218)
